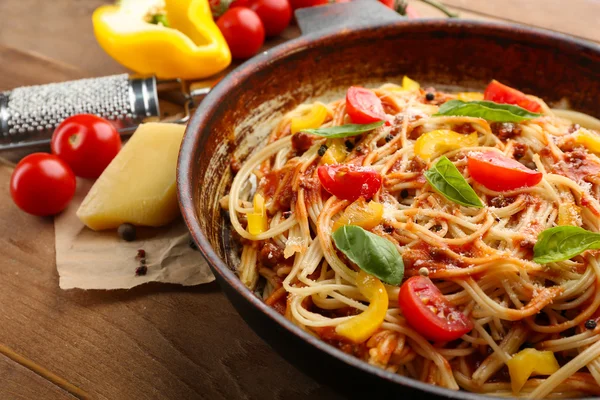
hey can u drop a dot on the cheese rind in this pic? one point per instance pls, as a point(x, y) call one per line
point(139, 185)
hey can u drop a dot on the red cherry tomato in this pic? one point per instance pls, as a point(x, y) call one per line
point(274, 14)
point(499, 173)
point(296, 4)
point(349, 182)
point(243, 30)
point(363, 106)
point(87, 143)
point(503, 94)
point(42, 184)
point(429, 312)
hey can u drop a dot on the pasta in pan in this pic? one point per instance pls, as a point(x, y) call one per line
point(446, 237)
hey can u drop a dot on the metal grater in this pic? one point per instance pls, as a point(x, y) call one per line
point(29, 115)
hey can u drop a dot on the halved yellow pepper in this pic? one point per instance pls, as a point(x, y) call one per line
point(366, 215)
point(257, 220)
point(530, 362)
point(312, 120)
point(191, 47)
point(409, 84)
point(441, 141)
point(336, 152)
point(469, 96)
point(363, 326)
point(589, 140)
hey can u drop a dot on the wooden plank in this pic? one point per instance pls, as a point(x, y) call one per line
point(155, 341)
point(19, 383)
point(575, 17)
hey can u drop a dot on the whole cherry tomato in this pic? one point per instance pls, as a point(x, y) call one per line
point(87, 143)
point(243, 30)
point(349, 182)
point(363, 106)
point(500, 173)
point(42, 184)
point(503, 94)
point(274, 14)
point(429, 312)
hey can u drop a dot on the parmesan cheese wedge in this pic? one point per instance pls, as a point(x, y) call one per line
point(139, 185)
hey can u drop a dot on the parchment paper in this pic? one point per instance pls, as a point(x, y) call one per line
point(87, 259)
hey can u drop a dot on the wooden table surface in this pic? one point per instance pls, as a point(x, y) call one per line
point(155, 341)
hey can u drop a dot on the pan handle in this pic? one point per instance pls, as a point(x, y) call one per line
point(344, 16)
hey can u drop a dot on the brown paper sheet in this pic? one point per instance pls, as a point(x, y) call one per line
point(101, 260)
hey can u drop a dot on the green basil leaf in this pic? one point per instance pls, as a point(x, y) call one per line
point(445, 178)
point(344, 130)
point(562, 243)
point(487, 110)
point(373, 254)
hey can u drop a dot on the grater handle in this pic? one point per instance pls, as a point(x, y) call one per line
point(29, 115)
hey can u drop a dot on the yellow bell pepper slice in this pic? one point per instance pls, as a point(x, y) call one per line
point(589, 140)
point(442, 140)
point(336, 152)
point(469, 96)
point(409, 84)
point(361, 327)
point(257, 220)
point(191, 47)
point(530, 362)
point(312, 120)
point(569, 213)
point(366, 215)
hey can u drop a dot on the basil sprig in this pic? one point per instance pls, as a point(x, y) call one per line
point(562, 243)
point(344, 130)
point(373, 254)
point(445, 178)
point(487, 110)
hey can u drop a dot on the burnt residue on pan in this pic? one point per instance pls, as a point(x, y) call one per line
point(240, 111)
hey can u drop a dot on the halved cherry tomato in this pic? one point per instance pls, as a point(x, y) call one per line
point(500, 173)
point(42, 184)
point(349, 182)
point(503, 94)
point(87, 143)
point(429, 312)
point(363, 106)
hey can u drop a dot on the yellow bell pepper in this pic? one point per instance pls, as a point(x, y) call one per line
point(569, 214)
point(469, 96)
point(589, 140)
point(442, 140)
point(409, 84)
point(257, 220)
point(366, 215)
point(336, 152)
point(312, 120)
point(529, 362)
point(360, 328)
point(190, 47)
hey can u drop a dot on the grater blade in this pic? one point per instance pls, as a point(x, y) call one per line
point(29, 115)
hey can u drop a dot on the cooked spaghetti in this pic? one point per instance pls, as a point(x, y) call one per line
point(481, 257)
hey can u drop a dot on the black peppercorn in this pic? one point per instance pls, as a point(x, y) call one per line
point(141, 270)
point(127, 232)
point(404, 193)
point(389, 138)
point(437, 228)
point(322, 150)
point(388, 229)
point(429, 96)
point(287, 214)
point(590, 324)
point(349, 145)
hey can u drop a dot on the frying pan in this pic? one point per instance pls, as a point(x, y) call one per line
point(363, 43)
